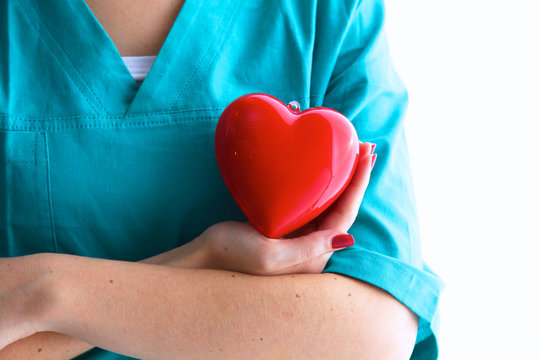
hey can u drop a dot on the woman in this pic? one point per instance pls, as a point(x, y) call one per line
point(97, 166)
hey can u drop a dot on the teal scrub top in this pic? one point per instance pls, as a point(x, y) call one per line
point(94, 165)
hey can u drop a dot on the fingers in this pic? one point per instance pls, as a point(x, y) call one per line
point(344, 213)
point(305, 250)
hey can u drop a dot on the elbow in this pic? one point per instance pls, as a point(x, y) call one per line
point(375, 325)
point(391, 333)
point(399, 340)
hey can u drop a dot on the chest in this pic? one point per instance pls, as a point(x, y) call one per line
point(136, 27)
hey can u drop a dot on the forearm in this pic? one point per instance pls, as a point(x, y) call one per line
point(55, 346)
point(158, 312)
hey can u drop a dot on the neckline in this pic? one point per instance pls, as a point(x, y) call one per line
point(83, 49)
point(174, 34)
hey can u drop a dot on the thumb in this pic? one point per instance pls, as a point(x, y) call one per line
point(316, 244)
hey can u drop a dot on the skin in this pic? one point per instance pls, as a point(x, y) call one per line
point(208, 302)
point(136, 27)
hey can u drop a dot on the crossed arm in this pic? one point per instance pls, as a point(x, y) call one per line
point(159, 312)
point(198, 302)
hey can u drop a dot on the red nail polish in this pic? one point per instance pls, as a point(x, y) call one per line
point(373, 159)
point(341, 241)
point(373, 146)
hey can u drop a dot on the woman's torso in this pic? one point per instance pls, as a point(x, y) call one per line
point(91, 163)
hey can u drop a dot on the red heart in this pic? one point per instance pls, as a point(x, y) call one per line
point(284, 167)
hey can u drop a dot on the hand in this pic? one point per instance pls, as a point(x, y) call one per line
point(239, 247)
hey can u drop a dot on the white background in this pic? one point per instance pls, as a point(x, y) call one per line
point(472, 69)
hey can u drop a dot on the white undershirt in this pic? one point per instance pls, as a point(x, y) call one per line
point(139, 66)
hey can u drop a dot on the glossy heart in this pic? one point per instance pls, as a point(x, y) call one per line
point(284, 167)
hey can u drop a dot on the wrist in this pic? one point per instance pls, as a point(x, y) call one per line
point(25, 297)
point(43, 292)
point(193, 255)
point(52, 294)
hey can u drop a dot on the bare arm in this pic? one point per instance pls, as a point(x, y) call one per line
point(55, 346)
point(320, 302)
point(160, 312)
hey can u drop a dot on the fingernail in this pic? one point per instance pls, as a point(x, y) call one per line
point(341, 241)
point(373, 159)
point(373, 146)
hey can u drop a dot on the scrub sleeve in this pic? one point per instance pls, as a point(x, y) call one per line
point(93, 164)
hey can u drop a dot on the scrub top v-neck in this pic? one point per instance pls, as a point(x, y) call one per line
point(94, 165)
point(102, 77)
